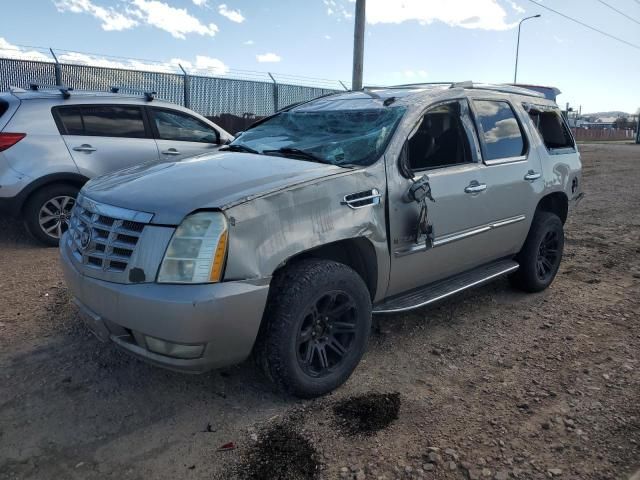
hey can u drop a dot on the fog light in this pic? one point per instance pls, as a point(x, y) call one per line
point(175, 350)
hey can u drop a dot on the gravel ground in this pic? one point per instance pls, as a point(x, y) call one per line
point(494, 384)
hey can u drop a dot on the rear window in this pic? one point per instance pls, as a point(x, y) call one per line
point(101, 120)
point(552, 128)
point(4, 106)
point(499, 129)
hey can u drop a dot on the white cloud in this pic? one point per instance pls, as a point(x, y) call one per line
point(111, 19)
point(268, 57)
point(201, 65)
point(516, 8)
point(507, 128)
point(233, 15)
point(249, 42)
point(8, 50)
point(177, 21)
point(200, 3)
point(327, 37)
point(472, 14)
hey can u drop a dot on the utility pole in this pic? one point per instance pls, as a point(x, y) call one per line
point(515, 75)
point(358, 45)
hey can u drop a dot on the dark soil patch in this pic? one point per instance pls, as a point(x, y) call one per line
point(367, 414)
point(281, 454)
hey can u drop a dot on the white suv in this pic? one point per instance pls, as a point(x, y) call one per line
point(53, 141)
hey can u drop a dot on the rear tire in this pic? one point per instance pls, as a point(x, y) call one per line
point(46, 213)
point(541, 254)
point(316, 327)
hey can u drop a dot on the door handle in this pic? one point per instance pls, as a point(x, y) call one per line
point(475, 187)
point(532, 175)
point(85, 147)
point(171, 151)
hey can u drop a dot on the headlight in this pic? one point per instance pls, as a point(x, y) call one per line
point(197, 250)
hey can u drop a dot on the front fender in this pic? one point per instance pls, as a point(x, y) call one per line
point(267, 231)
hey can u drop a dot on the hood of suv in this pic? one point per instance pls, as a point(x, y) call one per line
point(172, 190)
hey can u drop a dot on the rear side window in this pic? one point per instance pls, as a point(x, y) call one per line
point(499, 129)
point(174, 125)
point(4, 106)
point(102, 121)
point(552, 128)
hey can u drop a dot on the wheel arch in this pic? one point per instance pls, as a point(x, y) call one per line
point(555, 202)
point(74, 179)
point(357, 253)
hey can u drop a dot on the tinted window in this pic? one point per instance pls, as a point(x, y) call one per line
point(552, 128)
point(102, 120)
point(173, 125)
point(499, 129)
point(70, 120)
point(4, 106)
point(439, 140)
point(113, 121)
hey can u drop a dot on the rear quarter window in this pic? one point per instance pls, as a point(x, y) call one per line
point(4, 106)
point(552, 128)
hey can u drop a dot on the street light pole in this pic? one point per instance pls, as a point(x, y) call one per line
point(515, 75)
point(358, 45)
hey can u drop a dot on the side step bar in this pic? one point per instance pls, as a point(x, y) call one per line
point(439, 290)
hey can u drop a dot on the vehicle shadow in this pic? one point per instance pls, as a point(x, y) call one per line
point(14, 234)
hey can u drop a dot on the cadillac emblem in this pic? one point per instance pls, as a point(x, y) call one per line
point(85, 239)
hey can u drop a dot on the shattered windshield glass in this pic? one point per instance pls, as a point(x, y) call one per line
point(339, 137)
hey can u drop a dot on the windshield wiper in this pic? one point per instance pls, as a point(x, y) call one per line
point(238, 148)
point(298, 153)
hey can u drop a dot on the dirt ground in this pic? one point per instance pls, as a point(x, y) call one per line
point(493, 384)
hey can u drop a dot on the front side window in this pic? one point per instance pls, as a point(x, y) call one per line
point(439, 140)
point(499, 130)
point(178, 126)
point(552, 128)
point(339, 137)
point(102, 121)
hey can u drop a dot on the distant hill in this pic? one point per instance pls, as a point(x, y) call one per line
point(607, 114)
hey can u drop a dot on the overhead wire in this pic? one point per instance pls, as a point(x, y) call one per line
point(579, 22)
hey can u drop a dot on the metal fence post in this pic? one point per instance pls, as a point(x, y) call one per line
point(275, 93)
point(186, 85)
point(56, 68)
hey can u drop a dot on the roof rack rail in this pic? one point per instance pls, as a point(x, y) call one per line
point(65, 91)
point(468, 84)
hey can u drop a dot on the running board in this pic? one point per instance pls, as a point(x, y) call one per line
point(444, 288)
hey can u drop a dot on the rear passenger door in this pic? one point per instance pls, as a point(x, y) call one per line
point(103, 138)
point(513, 173)
point(181, 135)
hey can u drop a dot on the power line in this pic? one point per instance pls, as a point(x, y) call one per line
point(619, 11)
point(585, 25)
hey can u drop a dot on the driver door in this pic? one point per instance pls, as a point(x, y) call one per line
point(444, 146)
point(180, 135)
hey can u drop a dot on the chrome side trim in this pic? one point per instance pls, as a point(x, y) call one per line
point(459, 236)
point(113, 211)
point(500, 161)
point(452, 292)
point(453, 237)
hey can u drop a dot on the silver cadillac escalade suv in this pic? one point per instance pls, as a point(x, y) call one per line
point(284, 243)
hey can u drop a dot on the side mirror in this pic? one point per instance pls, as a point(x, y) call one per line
point(420, 190)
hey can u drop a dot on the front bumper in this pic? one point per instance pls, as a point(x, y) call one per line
point(225, 317)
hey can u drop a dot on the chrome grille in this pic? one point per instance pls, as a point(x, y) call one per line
point(101, 241)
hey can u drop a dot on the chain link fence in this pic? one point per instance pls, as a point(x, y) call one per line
point(233, 103)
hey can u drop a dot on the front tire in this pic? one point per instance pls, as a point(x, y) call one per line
point(316, 327)
point(541, 254)
point(47, 212)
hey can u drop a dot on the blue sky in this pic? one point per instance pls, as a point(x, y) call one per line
point(407, 41)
